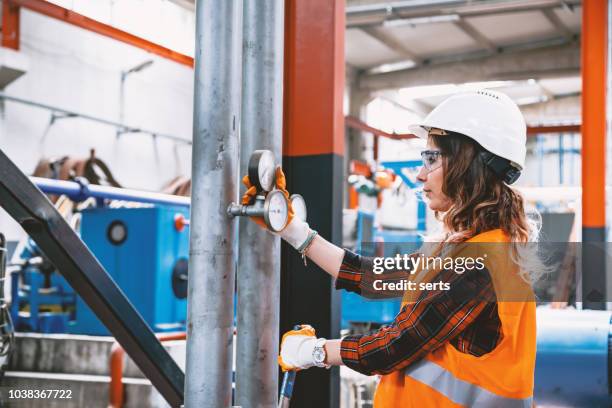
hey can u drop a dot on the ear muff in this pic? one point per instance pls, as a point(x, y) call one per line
point(503, 168)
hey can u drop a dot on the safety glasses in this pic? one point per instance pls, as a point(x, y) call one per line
point(432, 159)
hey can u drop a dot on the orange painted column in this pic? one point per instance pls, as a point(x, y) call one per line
point(313, 149)
point(594, 57)
point(10, 25)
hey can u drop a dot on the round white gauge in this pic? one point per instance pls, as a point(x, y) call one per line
point(299, 206)
point(276, 210)
point(262, 169)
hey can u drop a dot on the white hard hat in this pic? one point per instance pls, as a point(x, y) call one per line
point(491, 118)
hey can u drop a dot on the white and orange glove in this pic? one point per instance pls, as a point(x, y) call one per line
point(297, 350)
point(296, 231)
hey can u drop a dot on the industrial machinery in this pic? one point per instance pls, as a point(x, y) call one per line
point(41, 299)
point(143, 248)
point(375, 241)
point(574, 358)
point(6, 325)
point(23, 200)
point(146, 254)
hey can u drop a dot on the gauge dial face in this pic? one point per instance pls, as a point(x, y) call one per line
point(262, 169)
point(276, 210)
point(299, 206)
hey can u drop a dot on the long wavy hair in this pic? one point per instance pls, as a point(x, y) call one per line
point(481, 201)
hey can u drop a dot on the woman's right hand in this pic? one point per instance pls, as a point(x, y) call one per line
point(296, 231)
point(281, 184)
point(247, 199)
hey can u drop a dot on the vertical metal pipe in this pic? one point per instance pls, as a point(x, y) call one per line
point(561, 158)
point(259, 252)
point(210, 314)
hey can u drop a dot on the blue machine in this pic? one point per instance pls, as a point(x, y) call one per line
point(146, 256)
point(356, 309)
point(141, 248)
point(573, 358)
point(42, 300)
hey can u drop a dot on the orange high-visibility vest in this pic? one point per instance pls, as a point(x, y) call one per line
point(503, 377)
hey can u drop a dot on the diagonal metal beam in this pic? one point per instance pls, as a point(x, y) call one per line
point(392, 43)
point(39, 218)
point(561, 28)
point(471, 31)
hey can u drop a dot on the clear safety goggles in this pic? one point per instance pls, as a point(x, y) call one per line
point(432, 159)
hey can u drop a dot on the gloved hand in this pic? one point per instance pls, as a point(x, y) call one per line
point(296, 231)
point(296, 349)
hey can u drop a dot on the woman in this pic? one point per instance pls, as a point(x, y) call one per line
point(463, 345)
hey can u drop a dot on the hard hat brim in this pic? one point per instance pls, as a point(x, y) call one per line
point(419, 131)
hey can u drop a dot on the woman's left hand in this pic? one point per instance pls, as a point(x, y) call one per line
point(297, 348)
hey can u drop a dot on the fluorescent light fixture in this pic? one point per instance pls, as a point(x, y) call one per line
point(530, 100)
point(397, 22)
point(393, 66)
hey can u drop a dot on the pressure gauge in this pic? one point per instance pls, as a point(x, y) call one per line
point(273, 207)
point(276, 210)
point(262, 170)
point(269, 203)
point(299, 206)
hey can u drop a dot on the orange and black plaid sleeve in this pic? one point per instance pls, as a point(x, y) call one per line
point(350, 273)
point(465, 315)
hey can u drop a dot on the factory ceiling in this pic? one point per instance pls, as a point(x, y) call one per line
point(530, 48)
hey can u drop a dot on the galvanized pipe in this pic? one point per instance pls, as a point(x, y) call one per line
point(210, 311)
point(259, 252)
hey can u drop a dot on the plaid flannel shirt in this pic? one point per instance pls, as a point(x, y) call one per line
point(458, 315)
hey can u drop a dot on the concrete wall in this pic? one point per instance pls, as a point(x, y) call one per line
point(78, 70)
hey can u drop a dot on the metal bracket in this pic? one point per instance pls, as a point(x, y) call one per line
point(39, 218)
point(55, 116)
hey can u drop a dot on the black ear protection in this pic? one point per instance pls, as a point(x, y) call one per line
point(504, 168)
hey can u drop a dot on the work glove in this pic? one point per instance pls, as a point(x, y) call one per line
point(296, 349)
point(296, 231)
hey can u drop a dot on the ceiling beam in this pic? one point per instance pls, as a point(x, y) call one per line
point(559, 109)
point(561, 28)
point(414, 106)
point(187, 4)
point(554, 61)
point(360, 15)
point(395, 45)
point(472, 32)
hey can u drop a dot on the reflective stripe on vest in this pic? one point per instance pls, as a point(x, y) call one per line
point(459, 391)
